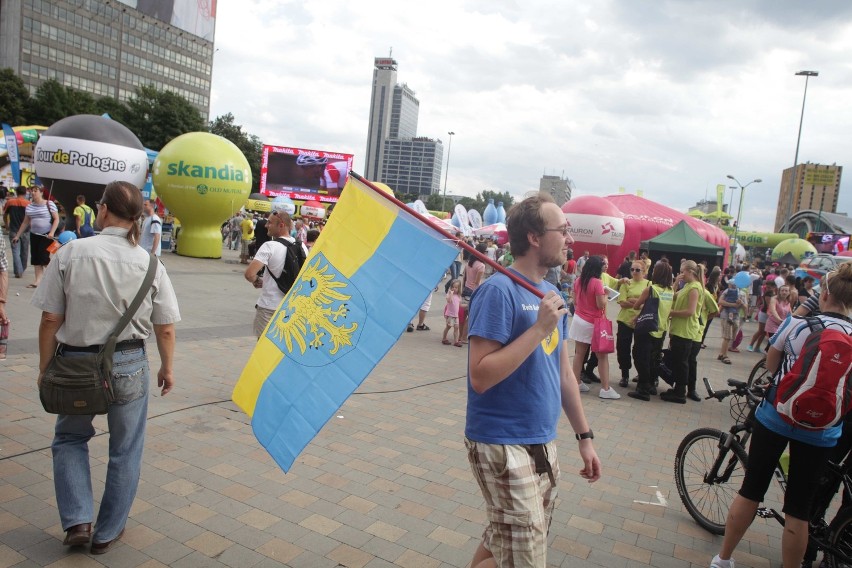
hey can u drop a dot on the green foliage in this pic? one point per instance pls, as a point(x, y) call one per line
point(483, 197)
point(13, 98)
point(157, 117)
point(115, 109)
point(53, 102)
point(249, 144)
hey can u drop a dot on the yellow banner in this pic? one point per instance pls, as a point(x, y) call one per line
point(720, 197)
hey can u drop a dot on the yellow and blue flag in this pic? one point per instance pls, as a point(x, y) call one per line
point(367, 275)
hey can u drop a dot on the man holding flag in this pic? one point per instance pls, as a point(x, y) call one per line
point(519, 375)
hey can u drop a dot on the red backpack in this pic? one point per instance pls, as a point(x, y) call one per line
point(816, 393)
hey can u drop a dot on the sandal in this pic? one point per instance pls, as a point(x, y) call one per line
point(446, 341)
point(422, 327)
point(458, 344)
point(724, 359)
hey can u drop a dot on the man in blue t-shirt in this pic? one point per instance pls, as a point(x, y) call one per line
point(519, 375)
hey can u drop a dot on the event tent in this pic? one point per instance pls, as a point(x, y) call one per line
point(684, 241)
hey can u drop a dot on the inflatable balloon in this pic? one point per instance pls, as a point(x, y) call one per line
point(800, 248)
point(475, 219)
point(420, 207)
point(203, 179)
point(80, 154)
point(742, 279)
point(312, 209)
point(284, 204)
point(594, 220)
point(489, 216)
point(501, 213)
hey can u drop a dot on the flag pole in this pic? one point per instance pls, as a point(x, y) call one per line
point(459, 242)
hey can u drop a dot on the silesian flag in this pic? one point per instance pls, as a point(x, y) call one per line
point(366, 276)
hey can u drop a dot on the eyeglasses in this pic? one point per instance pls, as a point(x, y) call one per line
point(563, 230)
point(635, 270)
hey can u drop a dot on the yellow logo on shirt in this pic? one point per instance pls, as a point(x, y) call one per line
point(550, 342)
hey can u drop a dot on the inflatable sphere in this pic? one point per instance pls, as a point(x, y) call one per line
point(81, 154)
point(742, 279)
point(203, 179)
point(312, 209)
point(284, 204)
point(800, 248)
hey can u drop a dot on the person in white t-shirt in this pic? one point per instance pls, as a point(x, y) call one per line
point(272, 255)
point(152, 228)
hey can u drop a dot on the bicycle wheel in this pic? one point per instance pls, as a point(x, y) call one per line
point(760, 375)
point(840, 538)
point(708, 501)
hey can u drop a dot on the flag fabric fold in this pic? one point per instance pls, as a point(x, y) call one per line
point(371, 269)
point(12, 151)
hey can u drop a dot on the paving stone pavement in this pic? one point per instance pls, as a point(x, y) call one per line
point(385, 483)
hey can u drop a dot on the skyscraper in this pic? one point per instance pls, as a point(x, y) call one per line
point(395, 154)
point(108, 47)
point(815, 186)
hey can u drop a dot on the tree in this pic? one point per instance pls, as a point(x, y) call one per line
point(13, 98)
point(157, 117)
point(53, 102)
point(114, 108)
point(249, 144)
point(483, 197)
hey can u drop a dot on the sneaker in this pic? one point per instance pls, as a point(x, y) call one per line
point(624, 383)
point(609, 394)
point(719, 563)
point(410, 327)
point(750, 348)
point(584, 387)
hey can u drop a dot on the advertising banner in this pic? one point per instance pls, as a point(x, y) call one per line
point(89, 161)
point(302, 174)
point(12, 152)
point(598, 229)
point(197, 17)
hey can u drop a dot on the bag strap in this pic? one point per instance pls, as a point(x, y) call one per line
point(109, 346)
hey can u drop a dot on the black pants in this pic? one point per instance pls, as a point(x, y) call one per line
point(623, 341)
point(706, 327)
point(681, 355)
point(590, 362)
point(647, 355)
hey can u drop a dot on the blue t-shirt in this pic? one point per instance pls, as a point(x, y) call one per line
point(524, 408)
point(790, 338)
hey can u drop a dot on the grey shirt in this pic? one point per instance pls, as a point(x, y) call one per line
point(93, 281)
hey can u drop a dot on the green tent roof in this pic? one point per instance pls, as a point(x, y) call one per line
point(683, 239)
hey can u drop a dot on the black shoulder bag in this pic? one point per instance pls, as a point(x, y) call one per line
point(82, 384)
point(649, 318)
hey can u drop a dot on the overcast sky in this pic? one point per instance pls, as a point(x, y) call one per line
point(667, 97)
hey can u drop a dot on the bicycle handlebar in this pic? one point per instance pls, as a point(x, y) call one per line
point(741, 388)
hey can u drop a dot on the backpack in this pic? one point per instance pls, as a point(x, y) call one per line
point(816, 392)
point(293, 262)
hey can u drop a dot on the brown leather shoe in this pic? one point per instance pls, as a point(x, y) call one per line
point(102, 547)
point(78, 535)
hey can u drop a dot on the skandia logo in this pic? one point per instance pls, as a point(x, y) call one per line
point(74, 158)
point(227, 173)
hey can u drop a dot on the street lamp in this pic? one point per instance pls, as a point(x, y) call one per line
point(731, 201)
point(740, 212)
point(807, 75)
point(447, 172)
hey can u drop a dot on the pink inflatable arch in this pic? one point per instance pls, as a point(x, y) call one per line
point(616, 224)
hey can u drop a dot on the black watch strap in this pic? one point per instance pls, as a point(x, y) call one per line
point(585, 436)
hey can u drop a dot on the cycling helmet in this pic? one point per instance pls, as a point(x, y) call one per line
point(310, 161)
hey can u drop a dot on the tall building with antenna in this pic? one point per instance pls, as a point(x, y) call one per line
point(110, 47)
point(395, 155)
point(558, 187)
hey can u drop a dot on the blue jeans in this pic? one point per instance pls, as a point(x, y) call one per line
point(126, 421)
point(20, 252)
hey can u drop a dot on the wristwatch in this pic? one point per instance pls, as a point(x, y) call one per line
point(585, 436)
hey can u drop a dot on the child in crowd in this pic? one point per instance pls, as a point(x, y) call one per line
point(451, 313)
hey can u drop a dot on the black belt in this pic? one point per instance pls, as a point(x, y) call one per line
point(542, 464)
point(120, 346)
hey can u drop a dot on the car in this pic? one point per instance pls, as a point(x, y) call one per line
point(818, 265)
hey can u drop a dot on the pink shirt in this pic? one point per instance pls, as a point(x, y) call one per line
point(452, 308)
point(585, 301)
point(773, 324)
point(473, 274)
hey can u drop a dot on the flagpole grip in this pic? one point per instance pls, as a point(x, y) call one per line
point(459, 242)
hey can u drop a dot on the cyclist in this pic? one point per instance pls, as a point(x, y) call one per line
point(809, 449)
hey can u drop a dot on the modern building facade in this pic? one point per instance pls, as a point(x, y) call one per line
point(110, 47)
point(557, 187)
point(395, 154)
point(815, 187)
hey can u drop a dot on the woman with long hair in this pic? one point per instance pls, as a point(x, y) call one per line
point(771, 434)
point(648, 347)
point(769, 291)
point(629, 292)
point(777, 311)
point(473, 275)
point(590, 301)
point(712, 286)
point(685, 329)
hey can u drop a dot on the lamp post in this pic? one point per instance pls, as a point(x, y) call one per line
point(447, 172)
point(731, 201)
point(740, 212)
point(807, 75)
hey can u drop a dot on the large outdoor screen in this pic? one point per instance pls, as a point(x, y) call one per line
point(829, 243)
point(303, 174)
point(197, 17)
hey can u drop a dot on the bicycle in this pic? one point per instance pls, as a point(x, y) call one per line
point(709, 466)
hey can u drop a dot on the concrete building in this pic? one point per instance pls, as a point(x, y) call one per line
point(395, 154)
point(110, 47)
point(557, 187)
point(815, 187)
point(413, 166)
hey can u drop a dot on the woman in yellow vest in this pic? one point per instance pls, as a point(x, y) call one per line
point(685, 329)
point(648, 347)
point(629, 292)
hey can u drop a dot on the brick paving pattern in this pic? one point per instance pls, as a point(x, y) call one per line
point(385, 483)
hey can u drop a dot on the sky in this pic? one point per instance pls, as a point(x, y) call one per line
point(667, 97)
